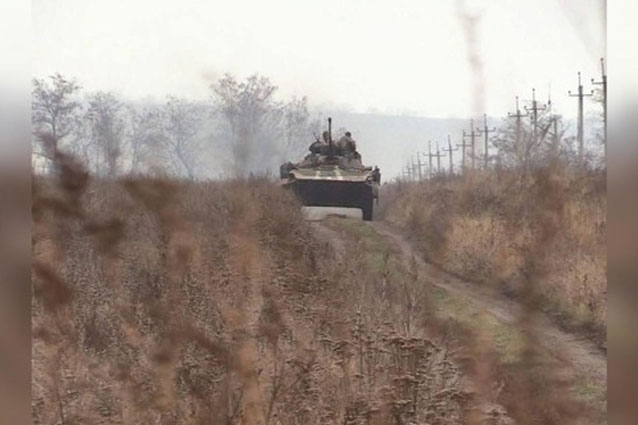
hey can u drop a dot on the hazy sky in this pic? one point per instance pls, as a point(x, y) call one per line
point(400, 56)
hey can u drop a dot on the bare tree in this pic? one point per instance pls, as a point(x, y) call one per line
point(528, 145)
point(54, 112)
point(106, 125)
point(297, 127)
point(182, 121)
point(146, 139)
point(252, 119)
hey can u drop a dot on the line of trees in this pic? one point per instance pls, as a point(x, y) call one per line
point(243, 128)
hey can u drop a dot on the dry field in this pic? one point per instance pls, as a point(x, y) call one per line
point(167, 302)
point(504, 230)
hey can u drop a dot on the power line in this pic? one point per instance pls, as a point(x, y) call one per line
point(438, 158)
point(555, 143)
point(449, 150)
point(463, 146)
point(472, 137)
point(603, 82)
point(581, 132)
point(534, 110)
point(518, 117)
point(429, 158)
point(418, 156)
point(486, 131)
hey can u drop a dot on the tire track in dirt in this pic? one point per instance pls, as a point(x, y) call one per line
point(575, 359)
point(480, 404)
point(330, 236)
point(577, 356)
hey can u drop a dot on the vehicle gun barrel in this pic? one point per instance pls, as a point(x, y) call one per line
point(331, 145)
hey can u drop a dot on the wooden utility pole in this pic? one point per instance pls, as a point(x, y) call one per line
point(486, 131)
point(418, 163)
point(518, 117)
point(554, 123)
point(438, 158)
point(472, 137)
point(581, 126)
point(603, 82)
point(413, 167)
point(534, 110)
point(422, 165)
point(449, 150)
point(555, 137)
point(463, 146)
point(429, 158)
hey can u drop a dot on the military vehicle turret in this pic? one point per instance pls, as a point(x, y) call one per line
point(332, 175)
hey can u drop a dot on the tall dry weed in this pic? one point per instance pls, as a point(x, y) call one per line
point(534, 236)
point(482, 226)
point(173, 302)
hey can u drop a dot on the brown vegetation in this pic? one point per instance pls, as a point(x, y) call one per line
point(160, 301)
point(167, 302)
point(546, 231)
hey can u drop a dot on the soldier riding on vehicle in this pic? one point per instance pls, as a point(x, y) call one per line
point(346, 144)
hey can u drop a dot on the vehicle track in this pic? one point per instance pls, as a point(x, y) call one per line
point(575, 356)
point(573, 353)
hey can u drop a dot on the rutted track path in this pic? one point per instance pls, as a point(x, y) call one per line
point(578, 359)
point(571, 350)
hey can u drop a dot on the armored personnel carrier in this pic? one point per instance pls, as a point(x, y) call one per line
point(332, 175)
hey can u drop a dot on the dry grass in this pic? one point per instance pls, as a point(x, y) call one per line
point(167, 302)
point(508, 375)
point(505, 229)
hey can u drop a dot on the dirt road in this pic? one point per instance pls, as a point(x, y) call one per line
point(577, 360)
point(572, 351)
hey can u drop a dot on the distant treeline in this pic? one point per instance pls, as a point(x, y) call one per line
point(243, 128)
